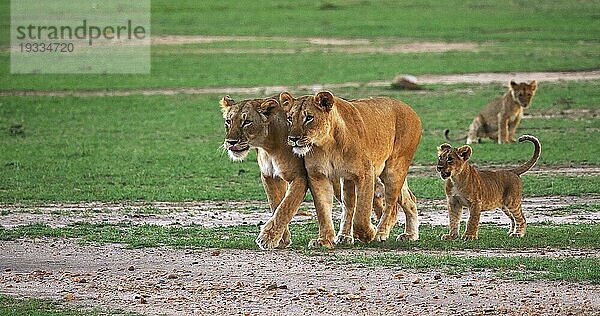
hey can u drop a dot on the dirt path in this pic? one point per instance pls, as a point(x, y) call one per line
point(479, 78)
point(159, 281)
point(211, 214)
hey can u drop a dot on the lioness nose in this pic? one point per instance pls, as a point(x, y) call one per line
point(293, 139)
point(232, 142)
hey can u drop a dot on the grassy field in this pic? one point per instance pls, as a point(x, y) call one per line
point(166, 148)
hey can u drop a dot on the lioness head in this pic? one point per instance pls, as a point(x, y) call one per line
point(523, 92)
point(451, 161)
point(246, 124)
point(309, 120)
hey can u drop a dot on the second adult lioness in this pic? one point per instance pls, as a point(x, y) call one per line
point(261, 124)
point(356, 141)
point(482, 190)
point(499, 119)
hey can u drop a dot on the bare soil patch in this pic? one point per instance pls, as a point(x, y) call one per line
point(212, 214)
point(166, 281)
point(479, 78)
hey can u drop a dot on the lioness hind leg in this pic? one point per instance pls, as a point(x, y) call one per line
point(378, 199)
point(393, 177)
point(344, 235)
point(475, 130)
point(521, 224)
point(409, 206)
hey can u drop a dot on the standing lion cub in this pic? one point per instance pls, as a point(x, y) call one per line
point(482, 190)
point(499, 119)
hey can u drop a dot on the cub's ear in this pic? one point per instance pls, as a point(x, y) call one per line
point(286, 100)
point(533, 84)
point(464, 152)
point(442, 147)
point(226, 102)
point(324, 100)
point(266, 108)
point(513, 84)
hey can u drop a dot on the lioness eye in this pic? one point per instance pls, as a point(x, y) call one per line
point(449, 160)
point(308, 119)
point(246, 123)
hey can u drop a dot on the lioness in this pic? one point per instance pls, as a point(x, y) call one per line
point(482, 190)
point(356, 141)
point(261, 124)
point(499, 119)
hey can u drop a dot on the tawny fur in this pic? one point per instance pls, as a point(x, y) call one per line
point(261, 124)
point(499, 119)
point(467, 187)
point(356, 141)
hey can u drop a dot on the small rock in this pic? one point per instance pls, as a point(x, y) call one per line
point(215, 253)
point(131, 268)
point(399, 275)
point(69, 297)
point(402, 295)
point(406, 82)
point(437, 277)
point(283, 287)
point(352, 296)
point(172, 276)
point(321, 289)
point(362, 288)
point(143, 300)
point(272, 286)
point(311, 291)
point(7, 269)
point(416, 281)
point(79, 280)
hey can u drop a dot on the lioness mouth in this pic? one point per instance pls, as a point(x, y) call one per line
point(301, 150)
point(237, 148)
point(445, 175)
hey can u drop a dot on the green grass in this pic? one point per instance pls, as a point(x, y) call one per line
point(518, 267)
point(10, 306)
point(166, 148)
point(580, 236)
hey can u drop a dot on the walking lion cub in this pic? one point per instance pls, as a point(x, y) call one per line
point(482, 190)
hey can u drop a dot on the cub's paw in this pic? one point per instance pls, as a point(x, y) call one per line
point(518, 235)
point(320, 242)
point(342, 239)
point(449, 236)
point(407, 237)
point(469, 237)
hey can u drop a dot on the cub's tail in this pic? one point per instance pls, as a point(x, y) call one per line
point(446, 132)
point(536, 154)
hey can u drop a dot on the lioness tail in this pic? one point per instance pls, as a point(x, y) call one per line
point(446, 132)
point(536, 154)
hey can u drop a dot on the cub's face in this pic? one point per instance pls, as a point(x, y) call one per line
point(246, 125)
point(452, 161)
point(309, 120)
point(523, 92)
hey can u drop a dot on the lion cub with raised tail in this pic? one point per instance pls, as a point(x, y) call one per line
point(482, 190)
point(499, 119)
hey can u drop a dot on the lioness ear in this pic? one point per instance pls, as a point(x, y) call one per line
point(533, 84)
point(324, 100)
point(226, 102)
point(464, 152)
point(286, 100)
point(513, 84)
point(443, 147)
point(266, 108)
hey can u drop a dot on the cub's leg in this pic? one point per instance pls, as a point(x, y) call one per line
point(275, 233)
point(521, 224)
point(409, 206)
point(455, 210)
point(344, 235)
point(503, 136)
point(473, 223)
point(365, 189)
point(512, 128)
point(475, 130)
point(322, 192)
point(513, 225)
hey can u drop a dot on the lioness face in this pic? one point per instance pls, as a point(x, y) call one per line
point(451, 161)
point(523, 92)
point(308, 119)
point(246, 125)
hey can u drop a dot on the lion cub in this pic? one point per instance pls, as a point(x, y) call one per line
point(482, 190)
point(499, 119)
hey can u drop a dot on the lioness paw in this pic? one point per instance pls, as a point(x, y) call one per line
point(320, 242)
point(344, 240)
point(269, 238)
point(449, 236)
point(407, 237)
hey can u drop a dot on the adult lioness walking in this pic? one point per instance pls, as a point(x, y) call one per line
point(261, 124)
point(356, 141)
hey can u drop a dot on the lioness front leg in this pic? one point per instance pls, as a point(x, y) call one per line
point(363, 228)
point(322, 192)
point(273, 233)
